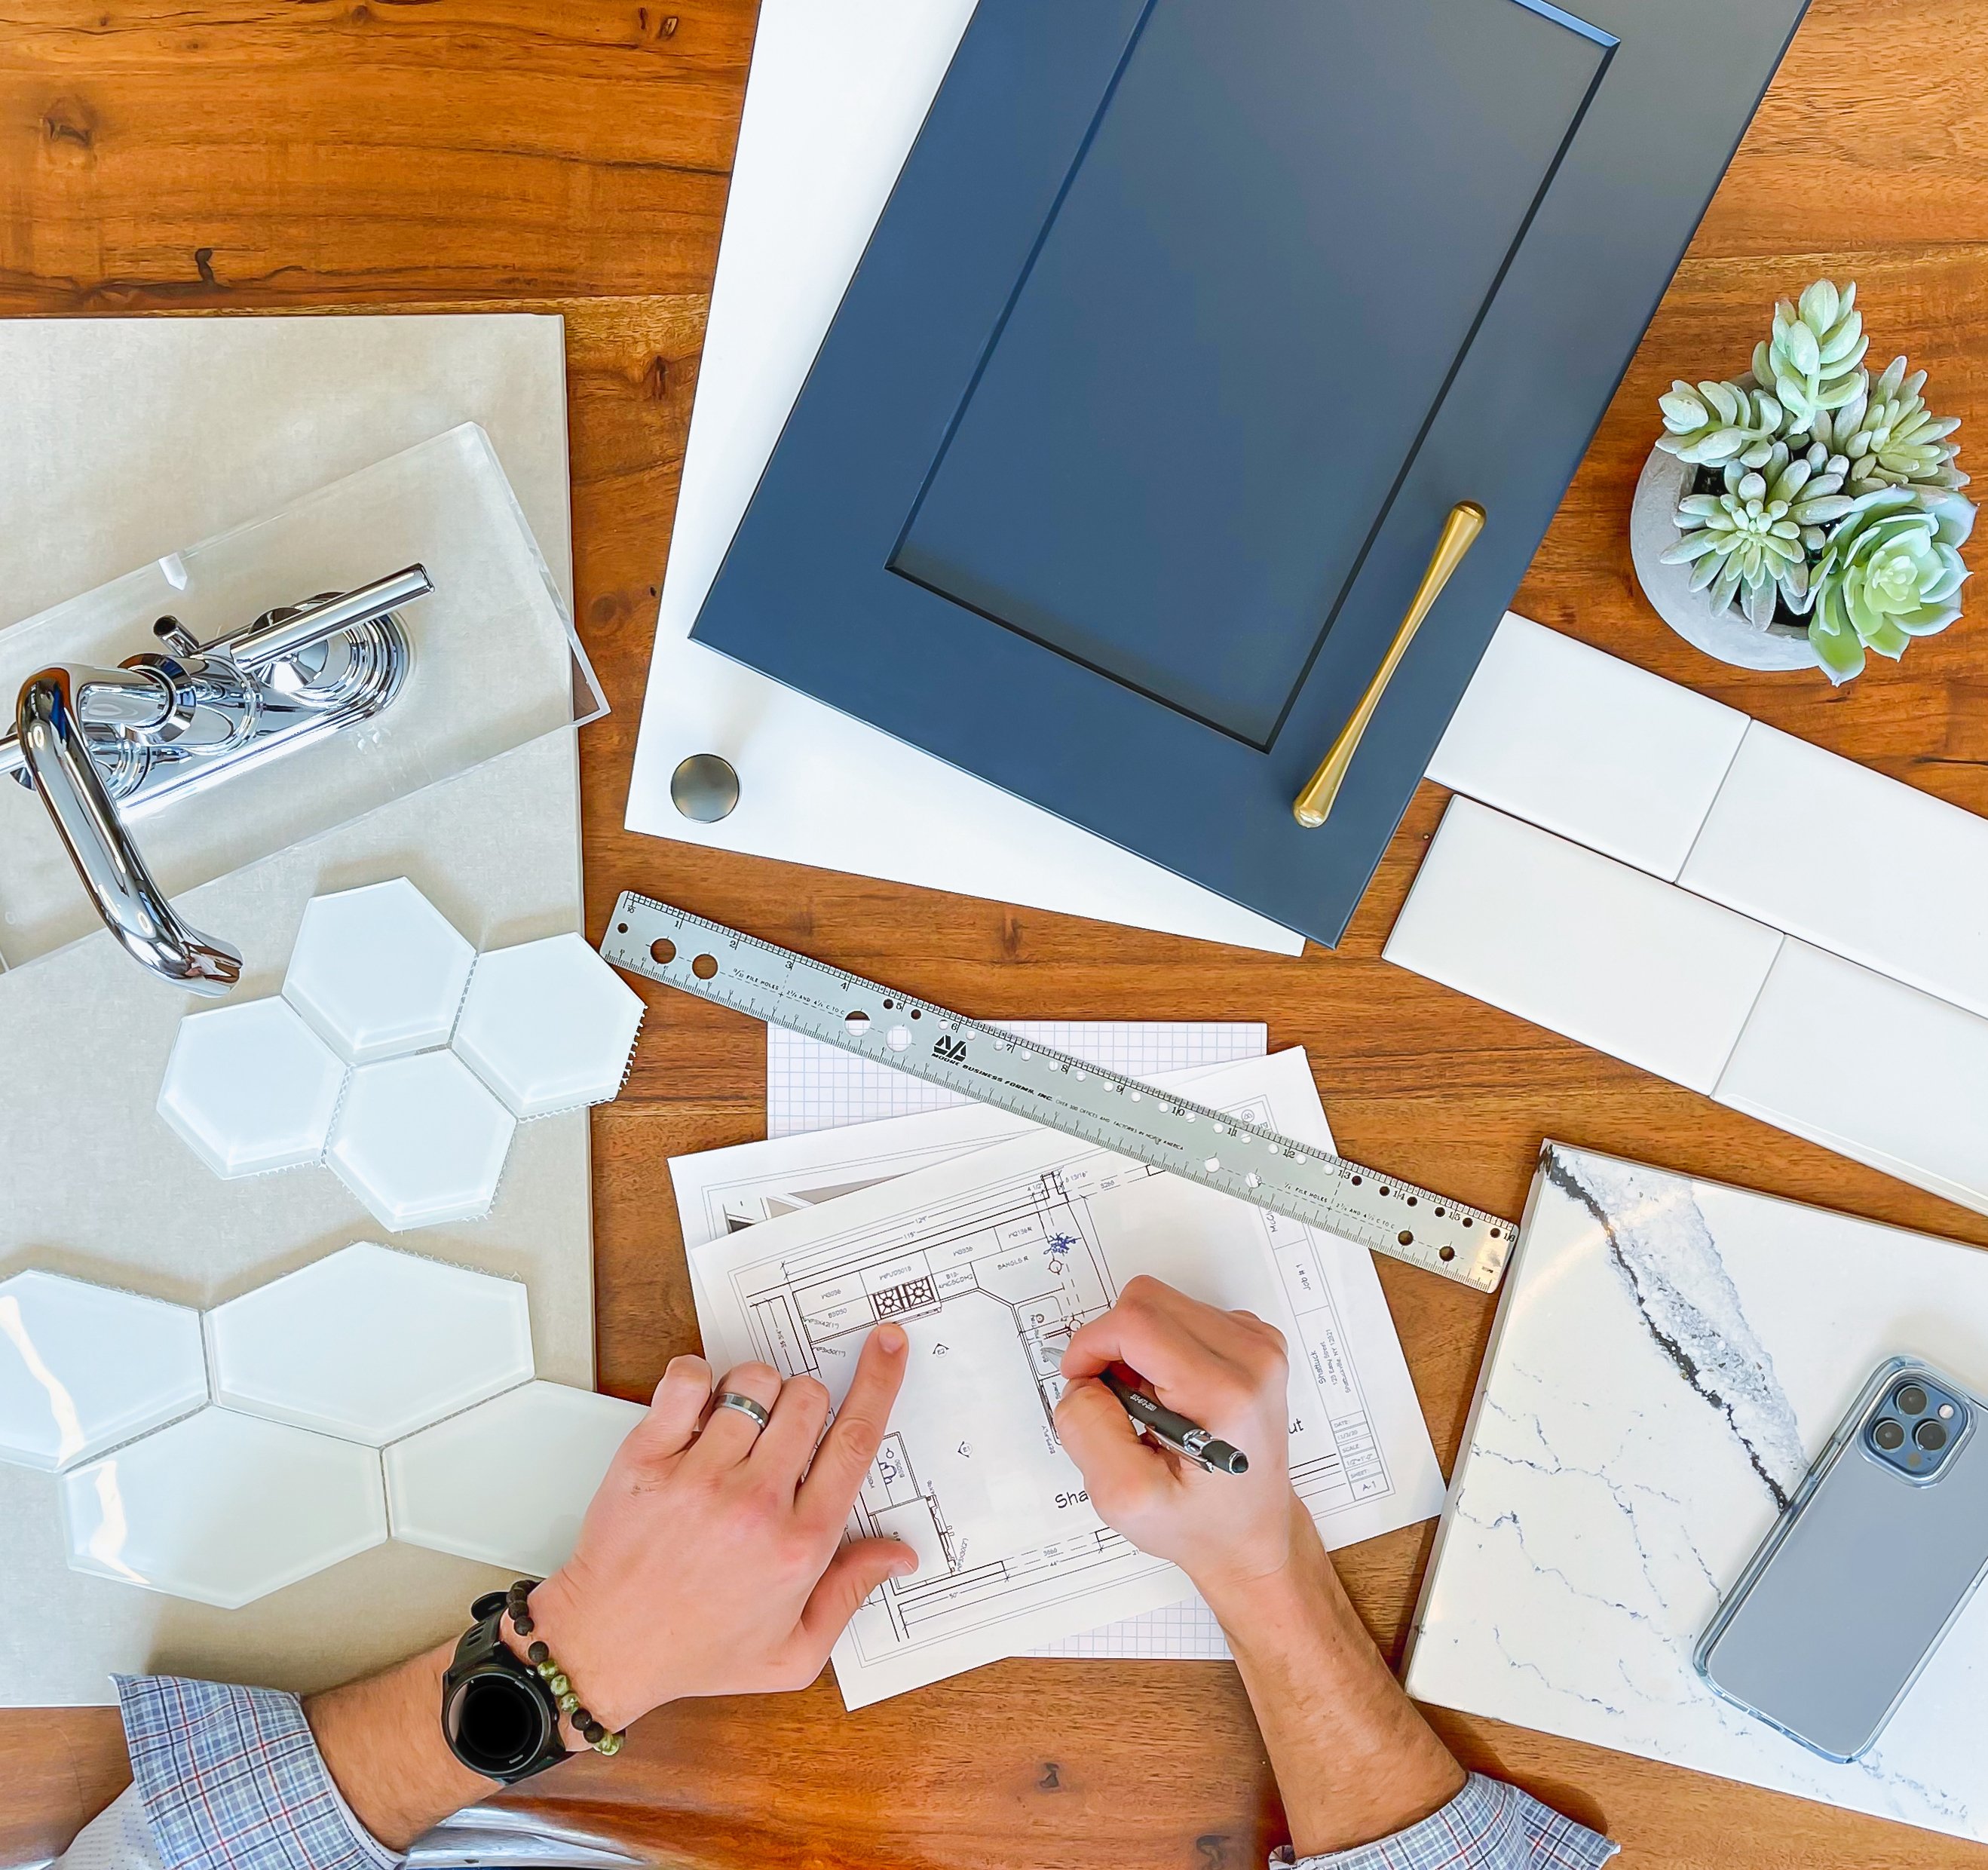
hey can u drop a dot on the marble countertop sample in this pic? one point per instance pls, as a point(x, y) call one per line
point(1670, 1356)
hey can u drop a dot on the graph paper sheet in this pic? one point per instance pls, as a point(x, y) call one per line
point(1372, 1469)
point(811, 1085)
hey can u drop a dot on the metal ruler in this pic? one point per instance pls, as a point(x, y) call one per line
point(1118, 1114)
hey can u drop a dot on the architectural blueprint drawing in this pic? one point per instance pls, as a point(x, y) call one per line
point(811, 1085)
point(990, 1260)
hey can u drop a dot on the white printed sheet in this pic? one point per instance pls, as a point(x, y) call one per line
point(990, 1240)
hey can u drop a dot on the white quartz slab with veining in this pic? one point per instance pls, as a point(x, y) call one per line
point(1670, 1356)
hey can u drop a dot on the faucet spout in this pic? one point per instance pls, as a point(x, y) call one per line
point(49, 734)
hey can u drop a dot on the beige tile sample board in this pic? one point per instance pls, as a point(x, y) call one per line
point(126, 439)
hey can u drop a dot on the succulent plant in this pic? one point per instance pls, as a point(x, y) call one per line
point(1752, 540)
point(1819, 493)
point(1891, 439)
point(1815, 360)
point(1718, 422)
point(1890, 571)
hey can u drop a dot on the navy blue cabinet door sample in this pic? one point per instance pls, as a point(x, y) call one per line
point(1188, 323)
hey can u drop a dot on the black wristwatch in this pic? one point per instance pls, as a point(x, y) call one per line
point(499, 1717)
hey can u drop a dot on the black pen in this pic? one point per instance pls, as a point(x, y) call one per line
point(1188, 1440)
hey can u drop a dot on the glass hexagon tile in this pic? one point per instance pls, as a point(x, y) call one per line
point(508, 1481)
point(83, 1368)
point(549, 1026)
point(223, 1508)
point(378, 971)
point(420, 1141)
point(399, 1058)
point(370, 1344)
point(281, 1473)
point(251, 1088)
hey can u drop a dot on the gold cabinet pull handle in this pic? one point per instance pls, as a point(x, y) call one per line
point(1314, 805)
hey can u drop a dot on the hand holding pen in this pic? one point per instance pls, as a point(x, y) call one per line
point(1188, 1439)
point(1202, 1370)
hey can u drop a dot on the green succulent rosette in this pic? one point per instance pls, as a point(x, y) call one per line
point(1891, 571)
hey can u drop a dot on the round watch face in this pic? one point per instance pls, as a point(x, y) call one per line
point(496, 1724)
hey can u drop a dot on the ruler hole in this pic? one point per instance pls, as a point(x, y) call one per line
point(620, 927)
point(1441, 1214)
point(1212, 1164)
point(890, 1006)
point(1411, 1201)
point(1405, 1238)
point(1468, 1222)
point(1385, 1193)
point(898, 1038)
point(1356, 1179)
point(704, 967)
point(1494, 1233)
point(1252, 1180)
point(1447, 1252)
point(1135, 1096)
point(665, 950)
point(916, 1014)
point(857, 1023)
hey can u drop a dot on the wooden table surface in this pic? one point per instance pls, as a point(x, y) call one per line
point(173, 156)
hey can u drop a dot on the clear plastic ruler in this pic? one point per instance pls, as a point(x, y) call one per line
point(1119, 1114)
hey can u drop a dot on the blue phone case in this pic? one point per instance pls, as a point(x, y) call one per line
point(1842, 1607)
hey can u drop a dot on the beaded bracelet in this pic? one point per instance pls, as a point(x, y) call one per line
point(597, 1736)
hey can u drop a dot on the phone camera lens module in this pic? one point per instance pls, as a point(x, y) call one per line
point(1910, 1400)
point(1930, 1436)
point(1889, 1435)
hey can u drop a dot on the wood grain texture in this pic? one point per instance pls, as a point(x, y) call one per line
point(280, 155)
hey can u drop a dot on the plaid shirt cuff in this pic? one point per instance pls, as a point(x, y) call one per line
point(1488, 1826)
point(231, 1779)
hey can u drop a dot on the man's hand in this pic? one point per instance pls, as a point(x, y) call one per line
point(1226, 1370)
point(1353, 1760)
point(711, 1561)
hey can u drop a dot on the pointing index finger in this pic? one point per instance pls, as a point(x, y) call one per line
point(851, 1445)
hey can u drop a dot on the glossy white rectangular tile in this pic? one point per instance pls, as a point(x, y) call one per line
point(1586, 946)
point(1870, 1068)
point(1852, 861)
point(1588, 745)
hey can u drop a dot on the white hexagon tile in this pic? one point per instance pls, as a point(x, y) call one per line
point(223, 1508)
point(549, 1026)
point(420, 1141)
point(370, 1344)
point(251, 1088)
point(368, 1363)
point(378, 971)
point(83, 1368)
point(398, 1057)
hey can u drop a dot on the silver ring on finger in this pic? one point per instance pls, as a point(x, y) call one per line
point(745, 1405)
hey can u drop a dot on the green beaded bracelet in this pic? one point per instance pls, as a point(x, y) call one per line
point(519, 1607)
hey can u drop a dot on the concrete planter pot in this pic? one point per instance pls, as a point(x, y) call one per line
point(1726, 635)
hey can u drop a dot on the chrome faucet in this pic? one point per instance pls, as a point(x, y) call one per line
point(96, 743)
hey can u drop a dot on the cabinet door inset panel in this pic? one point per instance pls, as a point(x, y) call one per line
point(1222, 354)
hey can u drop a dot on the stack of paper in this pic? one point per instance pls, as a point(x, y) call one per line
point(991, 1240)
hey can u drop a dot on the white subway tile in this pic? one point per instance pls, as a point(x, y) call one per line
point(1852, 861)
point(1578, 943)
point(1589, 746)
point(1869, 1067)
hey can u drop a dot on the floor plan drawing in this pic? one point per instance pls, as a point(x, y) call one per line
point(990, 1260)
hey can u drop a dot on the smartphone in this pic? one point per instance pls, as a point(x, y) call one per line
point(1880, 1549)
